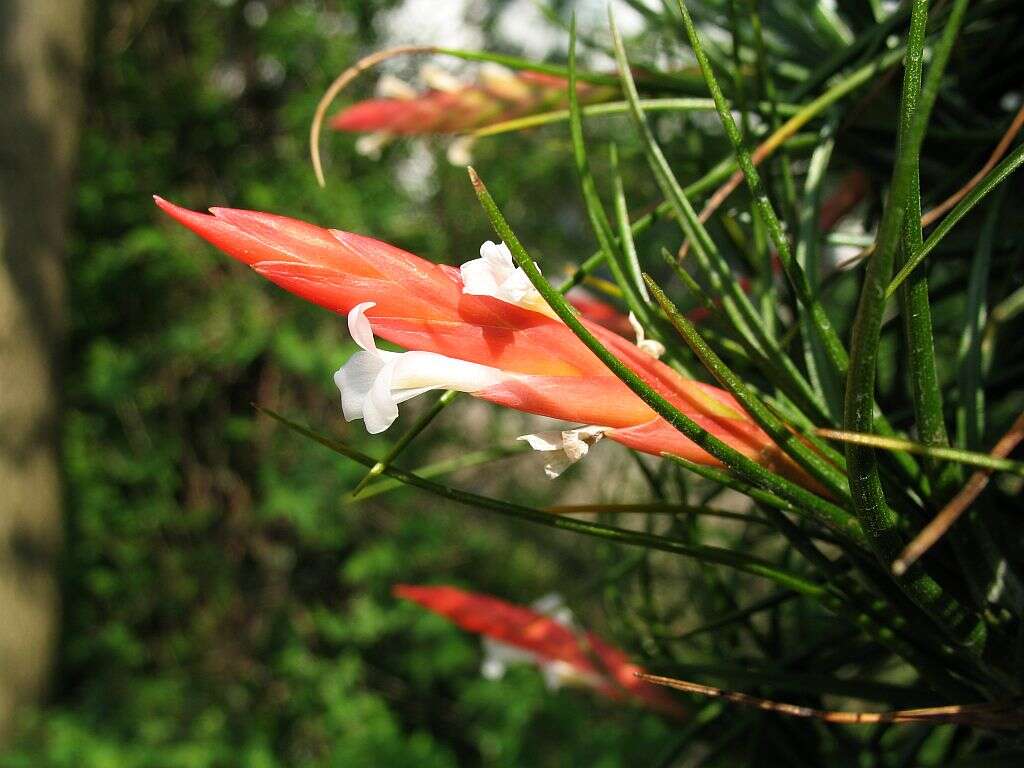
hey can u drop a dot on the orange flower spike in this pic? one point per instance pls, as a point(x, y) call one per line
point(563, 653)
point(451, 106)
point(481, 329)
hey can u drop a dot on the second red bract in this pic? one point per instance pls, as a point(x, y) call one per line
point(582, 657)
point(510, 355)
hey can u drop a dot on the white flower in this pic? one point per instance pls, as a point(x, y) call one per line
point(460, 150)
point(373, 382)
point(371, 145)
point(495, 274)
point(574, 444)
point(391, 87)
point(653, 348)
point(439, 79)
point(498, 656)
point(503, 82)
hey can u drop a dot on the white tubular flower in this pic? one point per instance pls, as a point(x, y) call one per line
point(391, 87)
point(652, 347)
point(460, 150)
point(573, 444)
point(495, 274)
point(503, 82)
point(371, 145)
point(499, 656)
point(439, 79)
point(373, 382)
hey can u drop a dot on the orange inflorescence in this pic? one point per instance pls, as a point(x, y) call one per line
point(595, 663)
point(541, 366)
point(495, 98)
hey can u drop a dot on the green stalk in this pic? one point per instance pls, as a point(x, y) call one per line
point(880, 522)
point(691, 104)
point(936, 452)
point(915, 306)
point(818, 317)
point(996, 176)
point(680, 82)
point(797, 277)
point(620, 255)
point(736, 305)
point(915, 310)
point(970, 412)
point(403, 442)
point(436, 469)
point(630, 257)
point(665, 209)
point(867, 39)
point(822, 375)
point(767, 84)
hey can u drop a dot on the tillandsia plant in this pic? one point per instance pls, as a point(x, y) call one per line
point(852, 372)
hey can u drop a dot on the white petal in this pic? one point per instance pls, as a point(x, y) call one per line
point(518, 289)
point(503, 82)
point(492, 669)
point(495, 274)
point(359, 326)
point(429, 370)
point(649, 346)
point(373, 382)
point(554, 468)
point(553, 605)
point(558, 673)
point(543, 441)
point(380, 409)
point(576, 442)
point(478, 278)
point(371, 145)
point(355, 379)
point(573, 445)
point(391, 87)
point(460, 150)
point(637, 328)
point(497, 254)
point(439, 79)
point(653, 348)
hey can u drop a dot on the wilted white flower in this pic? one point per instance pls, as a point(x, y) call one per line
point(572, 445)
point(652, 347)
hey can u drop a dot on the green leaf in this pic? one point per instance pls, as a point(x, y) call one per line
point(879, 520)
point(994, 178)
point(937, 452)
point(798, 279)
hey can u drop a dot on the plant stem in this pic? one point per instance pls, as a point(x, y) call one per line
point(880, 522)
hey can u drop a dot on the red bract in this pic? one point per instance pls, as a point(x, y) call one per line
point(599, 312)
point(595, 663)
point(521, 358)
point(499, 96)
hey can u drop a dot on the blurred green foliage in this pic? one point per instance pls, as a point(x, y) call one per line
point(221, 607)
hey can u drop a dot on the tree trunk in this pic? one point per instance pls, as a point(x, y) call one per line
point(42, 50)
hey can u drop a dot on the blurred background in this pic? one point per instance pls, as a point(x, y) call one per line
point(182, 582)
